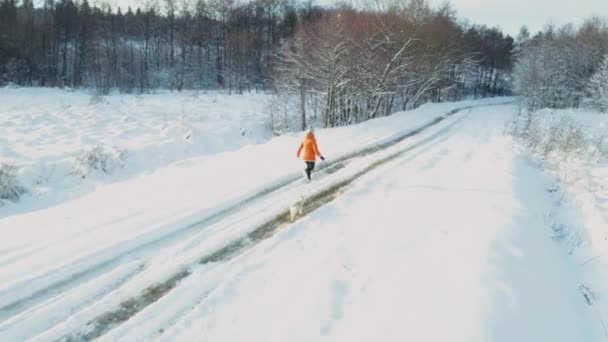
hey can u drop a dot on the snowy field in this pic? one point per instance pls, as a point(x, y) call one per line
point(453, 229)
point(44, 131)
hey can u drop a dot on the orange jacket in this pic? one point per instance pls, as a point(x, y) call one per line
point(309, 145)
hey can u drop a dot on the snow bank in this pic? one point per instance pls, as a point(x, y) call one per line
point(573, 146)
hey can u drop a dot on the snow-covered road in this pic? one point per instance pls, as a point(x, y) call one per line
point(449, 241)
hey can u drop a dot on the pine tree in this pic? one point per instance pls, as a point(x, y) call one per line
point(598, 87)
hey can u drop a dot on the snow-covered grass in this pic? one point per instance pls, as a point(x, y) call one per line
point(565, 138)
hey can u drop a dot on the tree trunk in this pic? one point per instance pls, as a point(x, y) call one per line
point(303, 103)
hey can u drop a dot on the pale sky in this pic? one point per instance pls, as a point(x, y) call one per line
point(510, 15)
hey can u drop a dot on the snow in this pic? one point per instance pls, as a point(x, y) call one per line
point(377, 264)
point(43, 131)
point(456, 210)
point(580, 183)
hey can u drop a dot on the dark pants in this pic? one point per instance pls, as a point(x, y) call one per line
point(310, 165)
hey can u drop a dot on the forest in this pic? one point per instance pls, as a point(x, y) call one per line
point(345, 63)
point(564, 67)
point(353, 63)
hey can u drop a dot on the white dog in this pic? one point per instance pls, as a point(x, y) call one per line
point(296, 209)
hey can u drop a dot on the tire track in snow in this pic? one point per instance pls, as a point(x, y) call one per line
point(56, 308)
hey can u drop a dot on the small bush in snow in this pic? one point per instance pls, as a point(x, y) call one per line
point(9, 187)
point(555, 137)
point(97, 99)
point(97, 159)
point(601, 146)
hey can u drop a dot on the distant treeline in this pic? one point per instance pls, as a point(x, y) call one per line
point(561, 67)
point(372, 59)
point(166, 44)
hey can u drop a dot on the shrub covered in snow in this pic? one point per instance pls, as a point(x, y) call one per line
point(557, 136)
point(598, 87)
point(98, 159)
point(97, 99)
point(9, 186)
point(561, 140)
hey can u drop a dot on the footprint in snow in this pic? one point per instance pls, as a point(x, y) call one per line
point(339, 290)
